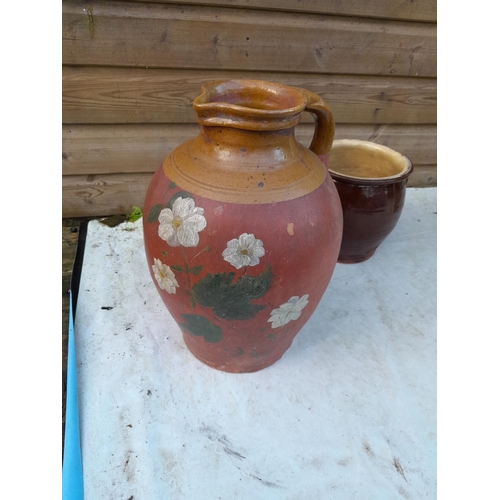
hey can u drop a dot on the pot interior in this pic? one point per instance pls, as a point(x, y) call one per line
point(366, 160)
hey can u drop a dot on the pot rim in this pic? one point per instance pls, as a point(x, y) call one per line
point(368, 145)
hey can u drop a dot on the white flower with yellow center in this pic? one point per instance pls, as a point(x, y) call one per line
point(181, 224)
point(244, 251)
point(164, 276)
point(288, 311)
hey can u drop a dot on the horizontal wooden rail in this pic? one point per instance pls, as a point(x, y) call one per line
point(133, 95)
point(109, 194)
point(180, 36)
point(113, 149)
point(413, 10)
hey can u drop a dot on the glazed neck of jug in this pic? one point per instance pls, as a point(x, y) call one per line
point(259, 118)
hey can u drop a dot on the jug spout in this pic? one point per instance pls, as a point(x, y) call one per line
point(249, 105)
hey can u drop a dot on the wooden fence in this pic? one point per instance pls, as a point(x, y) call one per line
point(131, 70)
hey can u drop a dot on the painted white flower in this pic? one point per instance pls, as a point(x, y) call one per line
point(181, 224)
point(164, 276)
point(288, 311)
point(244, 251)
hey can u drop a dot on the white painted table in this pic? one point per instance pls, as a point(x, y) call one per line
point(349, 412)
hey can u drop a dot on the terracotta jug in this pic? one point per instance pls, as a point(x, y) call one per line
point(243, 225)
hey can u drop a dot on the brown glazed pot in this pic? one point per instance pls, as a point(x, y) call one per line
point(371, 182)
point(242, 224)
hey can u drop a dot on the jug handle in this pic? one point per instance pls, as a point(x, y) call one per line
point(324, 125)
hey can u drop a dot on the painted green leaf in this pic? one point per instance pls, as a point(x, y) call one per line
point(201, 326)
point(154, 213)
point(195, 270)
point(172, 185)
point(232, 300)
point(191, 270)
point(179, 194)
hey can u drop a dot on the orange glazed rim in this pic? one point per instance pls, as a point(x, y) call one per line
point(249, 104)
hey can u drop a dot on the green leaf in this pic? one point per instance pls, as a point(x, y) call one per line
point(195, 270)
point(172, 185)
point(179, 194)
point(179, 269)
point(232, 300)
point(201, 326)
point(135, 214)
point(154, 213)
